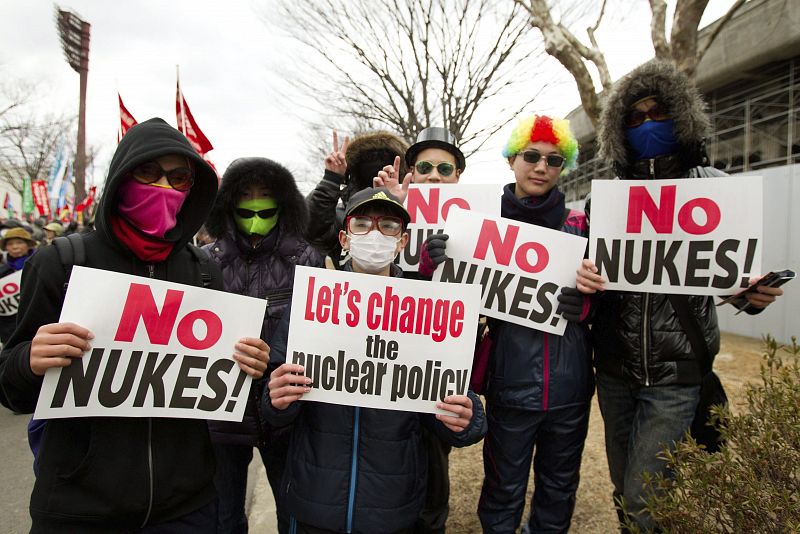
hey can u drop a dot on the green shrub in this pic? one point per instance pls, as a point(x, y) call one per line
point(753, 484)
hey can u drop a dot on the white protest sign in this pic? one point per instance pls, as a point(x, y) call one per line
point(9, 294)
point(520, 267)
point(382, 342)
point(697, 236)
point(160, 350)
point(429, 206)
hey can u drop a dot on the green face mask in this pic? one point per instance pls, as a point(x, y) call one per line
point(256, 217)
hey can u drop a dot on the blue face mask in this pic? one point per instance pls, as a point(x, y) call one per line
point(652, 138)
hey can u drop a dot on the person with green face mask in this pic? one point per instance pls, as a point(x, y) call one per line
point(258, 220)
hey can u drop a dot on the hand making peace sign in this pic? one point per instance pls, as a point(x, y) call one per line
point(389, 178)
point(336, 162)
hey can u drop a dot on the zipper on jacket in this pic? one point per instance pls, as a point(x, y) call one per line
point(151, 269)
point(546, 373)
point(653, 168)
point(353, 465)
point(645, 331)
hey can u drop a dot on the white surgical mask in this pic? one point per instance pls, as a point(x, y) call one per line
point(373, 251)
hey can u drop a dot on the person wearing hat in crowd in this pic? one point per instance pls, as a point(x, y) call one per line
point(17, 246)
point(380, 449)
point(652, 127)
point(258, 219)
point(52, 230)
point(434, 158)
point(539, 386)
point(122, 474)
point(349, 168)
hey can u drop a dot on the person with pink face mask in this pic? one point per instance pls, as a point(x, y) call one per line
point(122, 474)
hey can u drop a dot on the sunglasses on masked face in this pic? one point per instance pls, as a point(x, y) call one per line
point(552, 160)
point(245, 213)
point(656, 113)
point(426, 167)
point(180, 179)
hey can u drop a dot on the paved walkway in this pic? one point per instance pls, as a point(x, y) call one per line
point(260, 504)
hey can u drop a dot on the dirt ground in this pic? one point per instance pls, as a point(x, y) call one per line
point(737, 364)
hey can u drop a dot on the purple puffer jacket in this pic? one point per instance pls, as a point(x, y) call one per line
point(265, 272)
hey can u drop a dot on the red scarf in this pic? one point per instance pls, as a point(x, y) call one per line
point(145, 247)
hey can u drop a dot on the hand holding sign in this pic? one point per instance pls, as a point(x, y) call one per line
point(287, 384)
point(56, 344)
point(588, 281)
point(255, 356)
point(336, 161)
point(461, 406)
point(389, 178)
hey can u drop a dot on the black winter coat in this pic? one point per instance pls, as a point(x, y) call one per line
point(114, 474)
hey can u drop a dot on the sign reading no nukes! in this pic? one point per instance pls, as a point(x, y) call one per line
point(160, 350)
point(10, 293)
point(519, 267)
point(697, 236)
point(429, 206)
point(381, 342)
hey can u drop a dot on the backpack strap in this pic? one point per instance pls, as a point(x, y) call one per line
point(680, 303)
point(71, 251)
point(202, 259)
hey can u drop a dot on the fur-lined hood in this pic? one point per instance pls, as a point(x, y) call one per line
point(241, 173)
point(379, 145)
point(673, 88)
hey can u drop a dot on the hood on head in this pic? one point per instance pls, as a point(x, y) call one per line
point(243, 172)
point(145, 142)
point(663, 80)
point(382, 146)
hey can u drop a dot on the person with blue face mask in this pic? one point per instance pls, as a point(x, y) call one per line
point(648, 376)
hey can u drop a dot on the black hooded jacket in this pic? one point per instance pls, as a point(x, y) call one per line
point(263, 271)
point(638, 336)
point(114, 474)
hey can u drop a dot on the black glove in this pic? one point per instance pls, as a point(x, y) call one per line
point(436, 248)
point(570, 304)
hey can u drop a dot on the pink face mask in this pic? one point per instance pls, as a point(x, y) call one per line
point(152, 209)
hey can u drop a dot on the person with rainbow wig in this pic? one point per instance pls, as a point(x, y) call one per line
point(539, 386)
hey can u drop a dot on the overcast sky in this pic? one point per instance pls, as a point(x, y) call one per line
point(229, 59)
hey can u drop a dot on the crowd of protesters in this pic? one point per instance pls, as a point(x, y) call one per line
point(337, 468)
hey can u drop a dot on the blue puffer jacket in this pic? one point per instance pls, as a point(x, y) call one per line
point(264, 271)
point(358, 470)
point(530, 369)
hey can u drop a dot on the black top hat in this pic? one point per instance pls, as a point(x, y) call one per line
point(436, 137)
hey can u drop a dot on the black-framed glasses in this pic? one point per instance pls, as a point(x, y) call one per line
point(656, 113)
point(552, 160)
point(180, 179)
point(245, 213)
point(364, 224)
point(426, 167)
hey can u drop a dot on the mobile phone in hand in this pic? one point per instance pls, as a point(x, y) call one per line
point(771, 279)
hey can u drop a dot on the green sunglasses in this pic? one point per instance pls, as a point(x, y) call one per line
point(426, 167)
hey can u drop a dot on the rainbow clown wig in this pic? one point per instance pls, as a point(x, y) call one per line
point(542, 128)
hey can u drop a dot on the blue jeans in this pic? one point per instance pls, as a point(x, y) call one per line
point(230, 480)
point(641, 421)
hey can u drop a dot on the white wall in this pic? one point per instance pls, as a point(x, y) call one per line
point(781, 251)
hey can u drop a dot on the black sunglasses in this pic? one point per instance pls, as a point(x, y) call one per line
point(180, 179)
point(426, 167)
point(249, 214)
point(552, 160)
point(657, 113)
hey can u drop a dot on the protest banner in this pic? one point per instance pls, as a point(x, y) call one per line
point(9, 293)
point(429, 206)
point(160, 349)
point(697, 236)
point(382, 342)
point(520, 267)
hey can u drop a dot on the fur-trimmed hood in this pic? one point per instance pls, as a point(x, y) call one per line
point(673, 88)
point(243, 172)
point(376, 147)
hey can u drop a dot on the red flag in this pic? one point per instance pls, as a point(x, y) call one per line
point(126, 120)
point(188, 126)
point(39, 190)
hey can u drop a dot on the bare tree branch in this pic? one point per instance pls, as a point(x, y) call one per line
point(658, 31)
point(683, 38)
point(720, 24)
